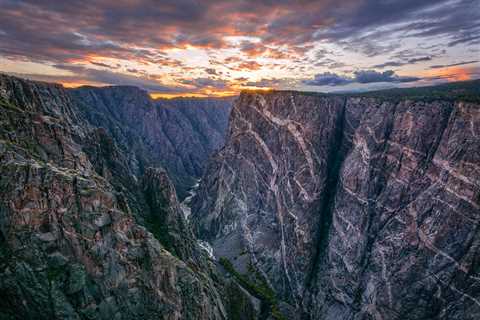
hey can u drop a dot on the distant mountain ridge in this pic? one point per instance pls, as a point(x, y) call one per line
point(179, 134)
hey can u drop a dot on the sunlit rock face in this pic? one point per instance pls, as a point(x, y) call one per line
point(353, 207)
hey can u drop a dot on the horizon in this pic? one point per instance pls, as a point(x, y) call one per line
point(215, 49)
point(269, 90)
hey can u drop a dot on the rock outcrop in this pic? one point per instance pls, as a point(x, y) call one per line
point(82, 235)
point(352, 206)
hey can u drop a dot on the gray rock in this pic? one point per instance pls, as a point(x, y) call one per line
point(353, 207)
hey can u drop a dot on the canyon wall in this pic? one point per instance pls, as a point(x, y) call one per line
point(178, 134)
point(83, 235)
point(352, 206)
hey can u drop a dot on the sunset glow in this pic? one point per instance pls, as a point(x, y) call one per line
point(218, 48)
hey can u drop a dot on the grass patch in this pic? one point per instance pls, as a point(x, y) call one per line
point(54, 273)
point(260, 290)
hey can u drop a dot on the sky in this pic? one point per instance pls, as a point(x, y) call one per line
point(218, 48)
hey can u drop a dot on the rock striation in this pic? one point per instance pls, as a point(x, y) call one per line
point(352, 206)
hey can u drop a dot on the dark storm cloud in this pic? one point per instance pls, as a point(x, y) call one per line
point(370, 76)
point(367, 76)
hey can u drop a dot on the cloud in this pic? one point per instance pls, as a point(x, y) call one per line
point(438, 66)
point(328, 79)
point(105, 65)
point(212, 71)
point(54, 31)
point(106, 77)
point(419, 59)
point(402, 63)
point(252, 49)
point(144, 31)
point(201, 83)
point(150, 83)
point(452, 73)
point(249, 65)
point(370, 76)
point(364, 77)
point(115, 78)
point(390, 64)
point(275, 83)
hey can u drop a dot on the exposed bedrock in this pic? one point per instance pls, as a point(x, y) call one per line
point(351, 207)
point(82, 234)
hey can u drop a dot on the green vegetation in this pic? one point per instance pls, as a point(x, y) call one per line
point(260, 290)
point(159, 229)
point(53, 273)
point(7, 105)
point(468, 91)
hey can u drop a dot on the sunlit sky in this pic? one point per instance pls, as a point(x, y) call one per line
point(216, 48)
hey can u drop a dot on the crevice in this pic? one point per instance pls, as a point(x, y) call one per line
point(337, 153)
point(449, 112)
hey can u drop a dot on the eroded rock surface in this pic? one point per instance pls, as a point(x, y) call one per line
point(353, 207)
point(82, 235)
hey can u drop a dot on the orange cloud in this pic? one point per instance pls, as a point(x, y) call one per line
point(249, 65)
point(451, 73)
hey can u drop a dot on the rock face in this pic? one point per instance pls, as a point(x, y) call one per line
point(352, 207)
point(323, 207)
point(82, 234)
point(179, 134)
point(261, 190)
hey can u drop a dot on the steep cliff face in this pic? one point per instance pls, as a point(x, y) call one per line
point(261, 190)
point(82, 236)
point(404, 236)
point(352, 207)
point(179, 134)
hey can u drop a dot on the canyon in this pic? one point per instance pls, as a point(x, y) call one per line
point(308, 205)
